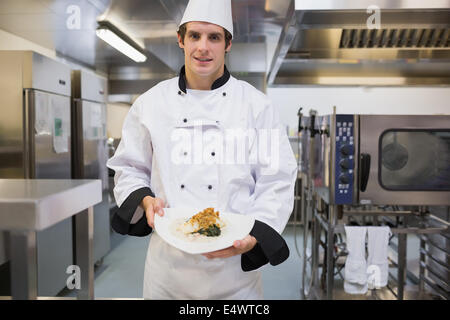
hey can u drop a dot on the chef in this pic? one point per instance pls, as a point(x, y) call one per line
point(160, 163)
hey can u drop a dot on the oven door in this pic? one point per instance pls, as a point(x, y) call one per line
point(409, 160)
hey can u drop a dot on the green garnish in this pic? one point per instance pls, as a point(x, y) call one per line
point(211, 231)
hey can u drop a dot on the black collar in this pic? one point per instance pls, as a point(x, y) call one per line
point(216, 84)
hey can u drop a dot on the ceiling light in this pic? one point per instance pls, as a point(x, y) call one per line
point(120, 41)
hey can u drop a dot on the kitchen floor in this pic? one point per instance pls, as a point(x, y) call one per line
point(122, 271)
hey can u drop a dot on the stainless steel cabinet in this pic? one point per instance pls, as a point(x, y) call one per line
point(90, 150)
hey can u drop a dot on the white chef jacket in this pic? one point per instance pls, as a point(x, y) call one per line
point(150, 157)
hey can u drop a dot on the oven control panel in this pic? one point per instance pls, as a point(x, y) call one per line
point(344, 159)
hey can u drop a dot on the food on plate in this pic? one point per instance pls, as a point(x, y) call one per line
point(206, 223)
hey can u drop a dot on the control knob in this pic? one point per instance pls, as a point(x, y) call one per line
point(344, 179)
point(346, 150)
point(345, 164)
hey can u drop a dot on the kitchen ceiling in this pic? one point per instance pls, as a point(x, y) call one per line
point(151, 23)
point(334, 45)
point(320, 43)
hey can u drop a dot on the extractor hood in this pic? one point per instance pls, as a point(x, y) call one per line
point(338, 43)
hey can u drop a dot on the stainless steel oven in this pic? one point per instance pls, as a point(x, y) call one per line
point(382, 159)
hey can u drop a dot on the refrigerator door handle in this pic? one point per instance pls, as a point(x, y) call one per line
point(28, 138)
point(77, 139)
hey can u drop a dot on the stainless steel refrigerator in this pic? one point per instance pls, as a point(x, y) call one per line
point(90, 149)
point(35, 143)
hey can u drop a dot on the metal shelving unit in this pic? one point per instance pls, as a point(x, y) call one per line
point(328, 219)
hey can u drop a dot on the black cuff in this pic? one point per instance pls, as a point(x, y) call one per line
point(122, 217)
point(253, 259)
point(271, 247)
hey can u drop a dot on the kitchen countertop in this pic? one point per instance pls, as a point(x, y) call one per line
point(36, 204)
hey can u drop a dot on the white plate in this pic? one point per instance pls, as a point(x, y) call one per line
point(237, 227)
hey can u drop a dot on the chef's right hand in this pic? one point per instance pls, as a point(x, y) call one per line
point(151, 206)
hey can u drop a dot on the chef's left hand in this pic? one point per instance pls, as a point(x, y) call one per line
point(239, 247)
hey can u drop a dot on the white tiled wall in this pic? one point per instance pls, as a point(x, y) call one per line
point(116, 115)
point(359, 100)
point(9, 41)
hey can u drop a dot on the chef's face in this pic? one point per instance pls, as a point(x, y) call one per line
point(204, 49)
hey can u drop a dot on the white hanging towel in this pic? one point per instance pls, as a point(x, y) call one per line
point(355, 275)
point(377, 262)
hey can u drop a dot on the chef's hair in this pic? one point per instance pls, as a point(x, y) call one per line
point(182, 32)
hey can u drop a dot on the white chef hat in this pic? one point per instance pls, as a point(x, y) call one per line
point(212, 11)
